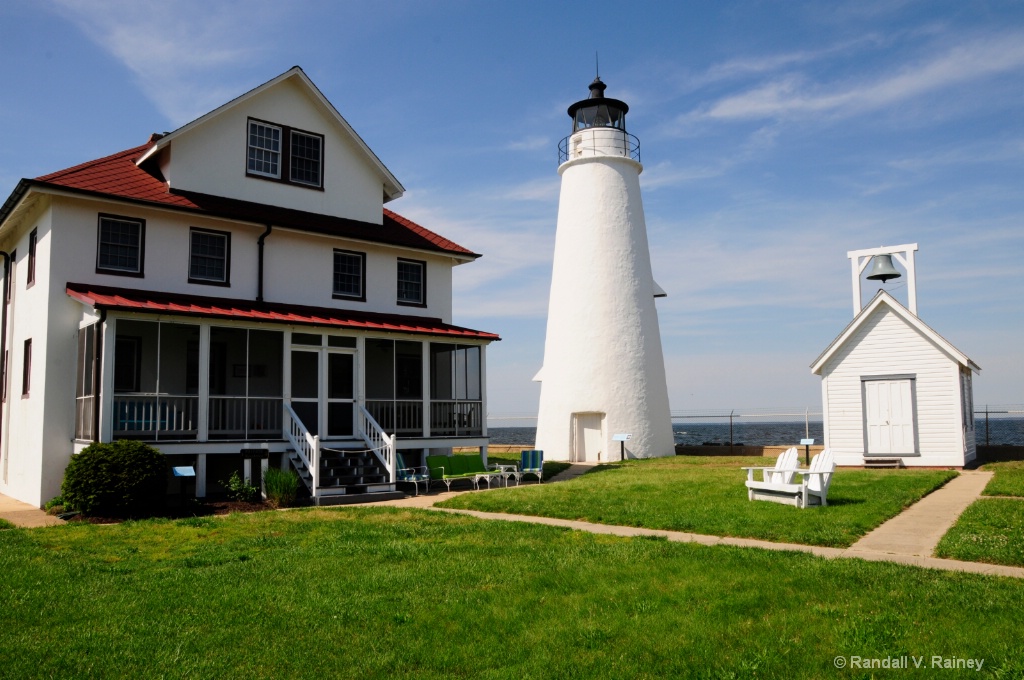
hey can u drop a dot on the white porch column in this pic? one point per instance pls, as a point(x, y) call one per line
point(426, 388)
point(106, 401)
point(201, 475)
point(204, 383)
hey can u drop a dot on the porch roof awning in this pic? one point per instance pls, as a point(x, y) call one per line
point(132, 300)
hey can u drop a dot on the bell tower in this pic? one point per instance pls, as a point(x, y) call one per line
point(604, 372)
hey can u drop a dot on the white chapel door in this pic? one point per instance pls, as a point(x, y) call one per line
point(889, 416)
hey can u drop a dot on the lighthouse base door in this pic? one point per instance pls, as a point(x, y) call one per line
point(889, 416)
point(587, 437)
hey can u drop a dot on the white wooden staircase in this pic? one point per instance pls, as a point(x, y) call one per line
point(347, 471)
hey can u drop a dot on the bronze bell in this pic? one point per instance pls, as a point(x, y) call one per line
point(882, 269)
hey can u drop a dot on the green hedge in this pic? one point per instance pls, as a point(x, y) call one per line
point(122, 478)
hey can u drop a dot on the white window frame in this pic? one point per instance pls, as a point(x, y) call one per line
point(249, 147)
point(361, 295)
point(422, 301)
point(226, 235)
point(319, 160)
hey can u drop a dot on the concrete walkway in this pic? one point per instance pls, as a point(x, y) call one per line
point(917, 530)
point(25, 515)
point(574, 471)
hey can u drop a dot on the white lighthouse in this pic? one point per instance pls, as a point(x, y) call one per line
point(603, 373)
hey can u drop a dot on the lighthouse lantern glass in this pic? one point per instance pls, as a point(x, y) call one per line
point(600, 115)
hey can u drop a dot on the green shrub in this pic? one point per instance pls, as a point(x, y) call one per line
point(125, 477)
point(239, 489)
point(56, 505)
point(281, 485)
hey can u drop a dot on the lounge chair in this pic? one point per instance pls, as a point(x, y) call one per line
point(812, 489)
point(531, 463)
point(782, 472)
point(415, 475)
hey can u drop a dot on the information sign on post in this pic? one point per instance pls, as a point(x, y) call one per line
point(622, 438)
point(807, 443)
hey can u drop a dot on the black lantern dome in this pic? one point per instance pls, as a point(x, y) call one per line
point(598, 111)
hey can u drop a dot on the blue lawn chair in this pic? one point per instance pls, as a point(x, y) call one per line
point(412, 475)
point(532, 463)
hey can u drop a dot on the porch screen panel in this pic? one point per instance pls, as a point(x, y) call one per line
point(266, 384)
point(156, 378)
point(87, 383)
point(380, 369)
point(408, 370)
point(178, 380)
point(472, 364)
point(408, 407)
point(135, 410)
point(305, 389)
point(442, 371)
point(246, 383)
point(456, 406)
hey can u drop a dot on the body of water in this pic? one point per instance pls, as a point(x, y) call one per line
point(1000, 431)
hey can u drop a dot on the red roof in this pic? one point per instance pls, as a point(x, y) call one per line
point(132, 300)
point(119, 177)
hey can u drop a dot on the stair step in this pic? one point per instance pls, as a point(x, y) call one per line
point(883, 463)
point(350, 498)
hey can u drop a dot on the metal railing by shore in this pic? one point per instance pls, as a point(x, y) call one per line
point(991, 420)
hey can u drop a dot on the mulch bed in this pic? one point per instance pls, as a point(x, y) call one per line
point(195, 508)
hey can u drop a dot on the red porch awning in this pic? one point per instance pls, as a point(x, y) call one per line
point(132, 300)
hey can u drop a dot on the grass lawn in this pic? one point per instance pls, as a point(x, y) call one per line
point(990, 530)
point(384, 592)
point(4, 524)
point(1008, 480)
point(706, 495)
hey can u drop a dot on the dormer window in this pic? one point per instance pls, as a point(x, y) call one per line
point(264, 149)
point(278, 152)
point(305, 158)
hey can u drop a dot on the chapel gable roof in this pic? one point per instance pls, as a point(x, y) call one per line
point(888, 302)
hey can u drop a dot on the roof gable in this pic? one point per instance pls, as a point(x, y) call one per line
point(883, 300)
point(297, 77)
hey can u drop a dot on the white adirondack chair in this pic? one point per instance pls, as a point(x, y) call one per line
point(785, 467)
point(812, 489)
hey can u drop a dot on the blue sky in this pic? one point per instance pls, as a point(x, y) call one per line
point(776, 136)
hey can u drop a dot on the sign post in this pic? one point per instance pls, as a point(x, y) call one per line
point(622, 439)
point(806, 443)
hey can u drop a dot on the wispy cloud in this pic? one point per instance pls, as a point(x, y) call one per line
point(534, 143)
point(172, 48)
point(797, 95)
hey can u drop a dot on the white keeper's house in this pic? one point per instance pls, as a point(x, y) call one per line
point(233, 285)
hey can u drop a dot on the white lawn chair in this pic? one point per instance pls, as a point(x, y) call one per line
point(785, 467)
point(812, 490)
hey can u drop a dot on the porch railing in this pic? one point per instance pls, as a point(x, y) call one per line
point(382, 444)
point(400, 417)
point(306, 445)
point(156, 416)
point(456, 418)
point(245, 418)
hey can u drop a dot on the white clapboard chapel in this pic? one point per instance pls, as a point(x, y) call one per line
point(894, 392)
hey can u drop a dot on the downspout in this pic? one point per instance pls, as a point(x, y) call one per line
point(259, 270)
point(3, 355)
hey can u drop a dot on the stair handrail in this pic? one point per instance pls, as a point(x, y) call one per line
point(380, 442)
point(306, 445)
